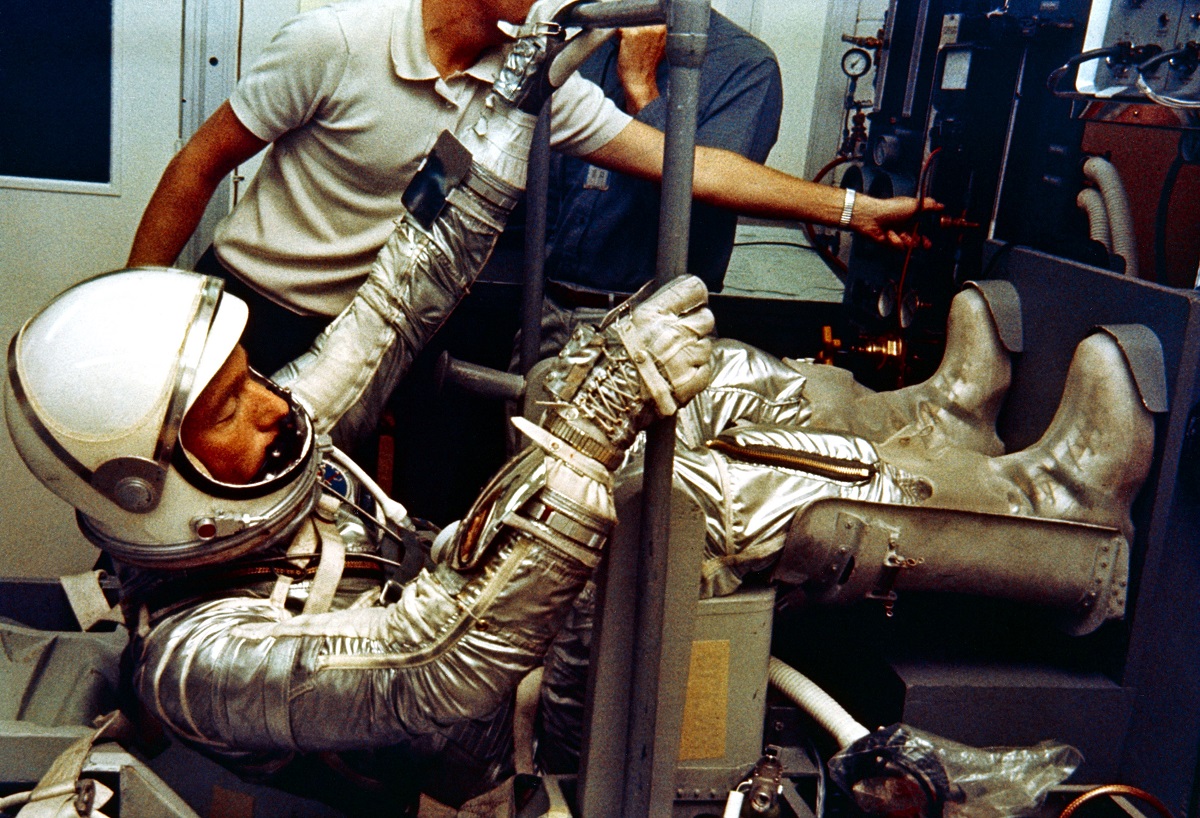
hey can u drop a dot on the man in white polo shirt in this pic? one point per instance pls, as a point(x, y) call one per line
point(351, 97)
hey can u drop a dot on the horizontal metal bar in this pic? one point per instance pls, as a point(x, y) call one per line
point(478, 380)
point(616, 13)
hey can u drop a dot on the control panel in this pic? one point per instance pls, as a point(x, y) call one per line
point(1157, 41)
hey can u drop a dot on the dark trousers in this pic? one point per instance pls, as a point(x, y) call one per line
point(274, 335)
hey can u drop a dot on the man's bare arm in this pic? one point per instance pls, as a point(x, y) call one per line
point(170, 218)
point(729, 180)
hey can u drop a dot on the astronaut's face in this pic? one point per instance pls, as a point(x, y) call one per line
point(233, 422)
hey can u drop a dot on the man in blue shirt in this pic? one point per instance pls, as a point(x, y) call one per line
point(603, 225)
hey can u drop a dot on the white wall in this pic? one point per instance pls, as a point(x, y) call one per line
point(49, 240)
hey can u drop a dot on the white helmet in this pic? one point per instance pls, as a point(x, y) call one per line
point(98, 385)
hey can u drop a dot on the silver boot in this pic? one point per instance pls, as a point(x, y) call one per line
point(1048, 525)
point(957, 406)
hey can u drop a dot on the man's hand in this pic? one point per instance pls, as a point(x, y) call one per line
point(891, 221)
point(640, 52)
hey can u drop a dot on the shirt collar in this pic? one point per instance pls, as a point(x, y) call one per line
point(410, 59)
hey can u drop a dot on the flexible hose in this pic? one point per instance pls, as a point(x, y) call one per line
point(1115, 789)
point(1104, 175)
point(1091, 203)
point(1055, 78)
point(816, 702)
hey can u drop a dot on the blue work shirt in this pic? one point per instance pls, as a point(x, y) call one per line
point(602, 226)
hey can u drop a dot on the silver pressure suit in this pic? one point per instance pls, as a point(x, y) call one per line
point(757, 403)
point(241, 674)
point(300, 646)
point(843, 492)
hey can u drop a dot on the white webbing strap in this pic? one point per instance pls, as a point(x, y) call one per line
point(302, 548)
point(329, 569)
point(87, 599)
point(555, 447)
point(57, 794)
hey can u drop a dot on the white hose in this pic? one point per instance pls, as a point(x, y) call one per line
point(392, 510)
point(816, 702)
point(1104, 175)
point(1091, 203)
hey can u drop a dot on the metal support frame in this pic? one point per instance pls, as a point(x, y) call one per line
point(536, 190)
point(664, 595)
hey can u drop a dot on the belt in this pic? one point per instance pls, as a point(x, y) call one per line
point(573, 296)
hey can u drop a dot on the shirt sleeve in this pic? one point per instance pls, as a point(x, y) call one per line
point(296, 72)
point(741, 95)
point(743, 114)
point(582, 119)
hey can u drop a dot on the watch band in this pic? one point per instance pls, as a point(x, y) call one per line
point(847, 208)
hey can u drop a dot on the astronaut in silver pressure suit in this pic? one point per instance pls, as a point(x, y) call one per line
point(249, 548)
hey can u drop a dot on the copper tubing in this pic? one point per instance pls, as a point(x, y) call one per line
point(1115, 789)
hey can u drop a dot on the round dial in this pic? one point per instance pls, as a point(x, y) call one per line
point(856, 62)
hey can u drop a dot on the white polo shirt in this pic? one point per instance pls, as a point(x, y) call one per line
point(350, 100)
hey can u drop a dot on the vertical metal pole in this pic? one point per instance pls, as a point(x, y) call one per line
point(533, 284)
point(653, 745)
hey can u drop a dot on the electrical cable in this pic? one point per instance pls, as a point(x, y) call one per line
point(764, 243)
point(1073, 63)
point(767, 293)
point(822, 794)
point(1190, 50)
point(391, 510)
point(922, 181)
point(1165, 100)
point(1115, 789)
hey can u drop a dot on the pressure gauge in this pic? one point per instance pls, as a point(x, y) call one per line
point(856, 62)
